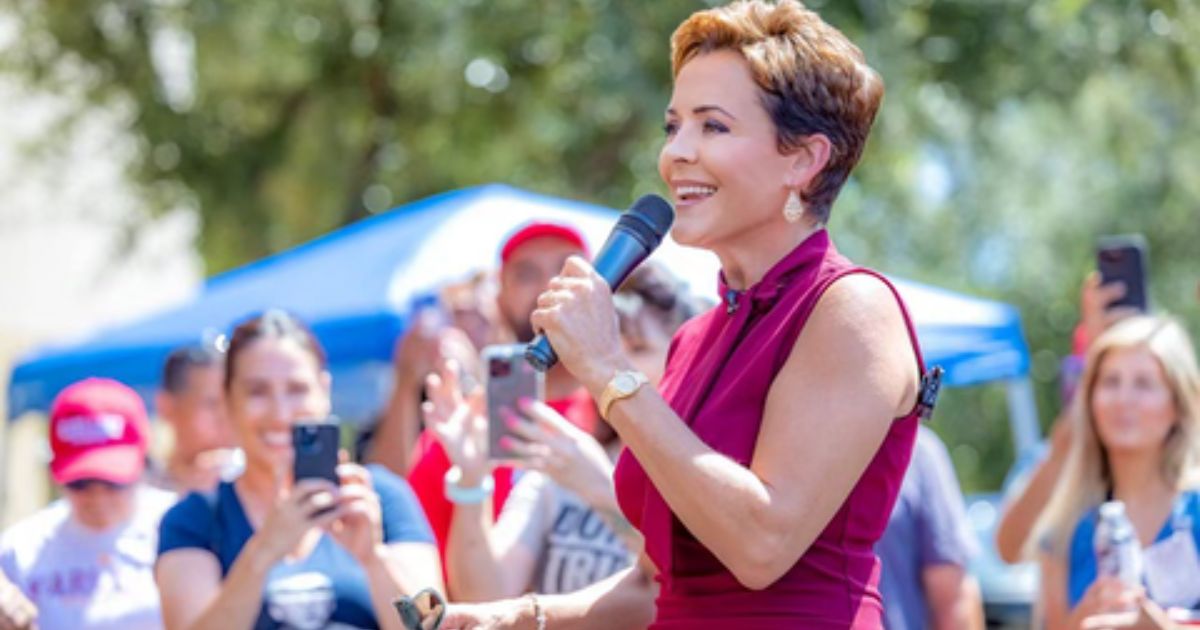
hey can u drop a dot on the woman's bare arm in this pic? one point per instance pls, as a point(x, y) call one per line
point(850, 373)
point(482, 568)
point(624, 600)
point(194, 597)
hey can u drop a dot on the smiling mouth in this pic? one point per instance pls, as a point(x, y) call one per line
point(692, 194)
point(277, 439)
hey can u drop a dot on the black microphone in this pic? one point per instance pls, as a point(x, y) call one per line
point(635, 236)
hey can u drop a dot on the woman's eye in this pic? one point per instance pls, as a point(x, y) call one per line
point(257, 389)
point(714, 126)
point(670, 128)
point(1145, 383)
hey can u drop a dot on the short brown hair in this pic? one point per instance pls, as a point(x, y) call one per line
point(811, 78)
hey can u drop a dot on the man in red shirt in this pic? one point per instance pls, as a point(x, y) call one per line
point(529, 258)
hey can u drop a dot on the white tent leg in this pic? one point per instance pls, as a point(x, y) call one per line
point(1023, 416)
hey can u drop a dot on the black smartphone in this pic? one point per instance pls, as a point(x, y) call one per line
point(1123, 259)
point(509, 379)
point(315, 445)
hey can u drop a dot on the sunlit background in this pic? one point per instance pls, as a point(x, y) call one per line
point(147, 145)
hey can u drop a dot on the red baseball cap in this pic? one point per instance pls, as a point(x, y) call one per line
point(541, 229)
point(98, 430)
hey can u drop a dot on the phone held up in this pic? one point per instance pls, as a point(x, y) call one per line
point(1123, 259)
point(509, 379)
point(315, 445)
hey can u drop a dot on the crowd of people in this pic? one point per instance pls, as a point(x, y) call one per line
point(754, 462)
point(219, 535)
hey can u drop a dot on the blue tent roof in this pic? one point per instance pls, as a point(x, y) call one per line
point(356, 285)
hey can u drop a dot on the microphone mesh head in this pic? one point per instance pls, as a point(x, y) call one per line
point(650, 218)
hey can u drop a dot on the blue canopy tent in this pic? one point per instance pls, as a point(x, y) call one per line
point(357, 285)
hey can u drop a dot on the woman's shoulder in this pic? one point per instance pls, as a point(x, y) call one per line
point(862, 309)
point(1083, 532)
point(403, 518)
point(191, 505)
point(859, 287)
point(191, 522)
point(388, 485)
point(1189, 503)
point(384, 480)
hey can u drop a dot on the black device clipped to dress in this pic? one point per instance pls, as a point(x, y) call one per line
point(931, 387)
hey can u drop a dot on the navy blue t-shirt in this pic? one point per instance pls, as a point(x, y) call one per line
point(327, 589)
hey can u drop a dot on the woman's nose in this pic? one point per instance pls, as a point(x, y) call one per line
point(1128, 396)
point(680, 147)
point(281, 409)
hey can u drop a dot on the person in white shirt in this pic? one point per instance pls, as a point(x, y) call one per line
point(87, 560)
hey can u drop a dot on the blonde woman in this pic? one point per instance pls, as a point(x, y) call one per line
point(1135, 440)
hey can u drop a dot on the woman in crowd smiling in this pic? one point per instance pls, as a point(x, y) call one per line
point(267, 551)
point(1135, 438)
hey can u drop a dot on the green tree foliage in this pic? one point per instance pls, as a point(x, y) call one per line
point(1013, 132)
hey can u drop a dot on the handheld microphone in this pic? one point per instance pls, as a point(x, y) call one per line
point(635, 236)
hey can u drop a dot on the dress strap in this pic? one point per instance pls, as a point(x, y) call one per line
point(931, 378)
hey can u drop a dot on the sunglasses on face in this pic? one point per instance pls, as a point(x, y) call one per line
point(81, 485)
point(423, 611)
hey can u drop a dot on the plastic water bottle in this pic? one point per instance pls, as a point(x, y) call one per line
point(1118, 551)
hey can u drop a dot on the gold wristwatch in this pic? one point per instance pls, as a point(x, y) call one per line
point(623, 384)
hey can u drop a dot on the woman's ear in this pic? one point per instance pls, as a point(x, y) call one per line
point(809, 160)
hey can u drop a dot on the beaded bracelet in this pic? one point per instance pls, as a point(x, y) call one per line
point(539, 615)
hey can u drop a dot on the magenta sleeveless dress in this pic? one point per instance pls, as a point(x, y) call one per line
point(719, 370)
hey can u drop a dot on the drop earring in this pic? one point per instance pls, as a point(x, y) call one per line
point(793, 209)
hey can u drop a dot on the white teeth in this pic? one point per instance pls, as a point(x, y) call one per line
point(277, 438)
point(682, 191)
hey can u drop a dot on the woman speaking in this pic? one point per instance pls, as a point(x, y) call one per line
point(764, 468)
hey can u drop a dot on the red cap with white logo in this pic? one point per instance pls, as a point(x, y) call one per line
point(98, 430)
point(541, 229)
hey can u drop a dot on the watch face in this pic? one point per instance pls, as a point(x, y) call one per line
point(625, 382)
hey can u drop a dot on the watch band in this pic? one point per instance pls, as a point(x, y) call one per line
point(623, 384)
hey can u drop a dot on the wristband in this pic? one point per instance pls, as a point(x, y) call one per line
point(470, 495)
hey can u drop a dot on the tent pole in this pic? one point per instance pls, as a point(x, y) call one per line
point(1023, 416)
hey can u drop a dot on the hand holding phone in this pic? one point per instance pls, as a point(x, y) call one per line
point(315, 447)
point(1123, 259)
point(509, 379)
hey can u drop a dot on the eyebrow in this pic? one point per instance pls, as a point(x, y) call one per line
point(703, 109)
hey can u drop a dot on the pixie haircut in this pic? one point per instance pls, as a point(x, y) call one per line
point(811, 80)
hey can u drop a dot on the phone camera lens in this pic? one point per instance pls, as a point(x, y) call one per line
point(498, 368)
point(304, 439)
